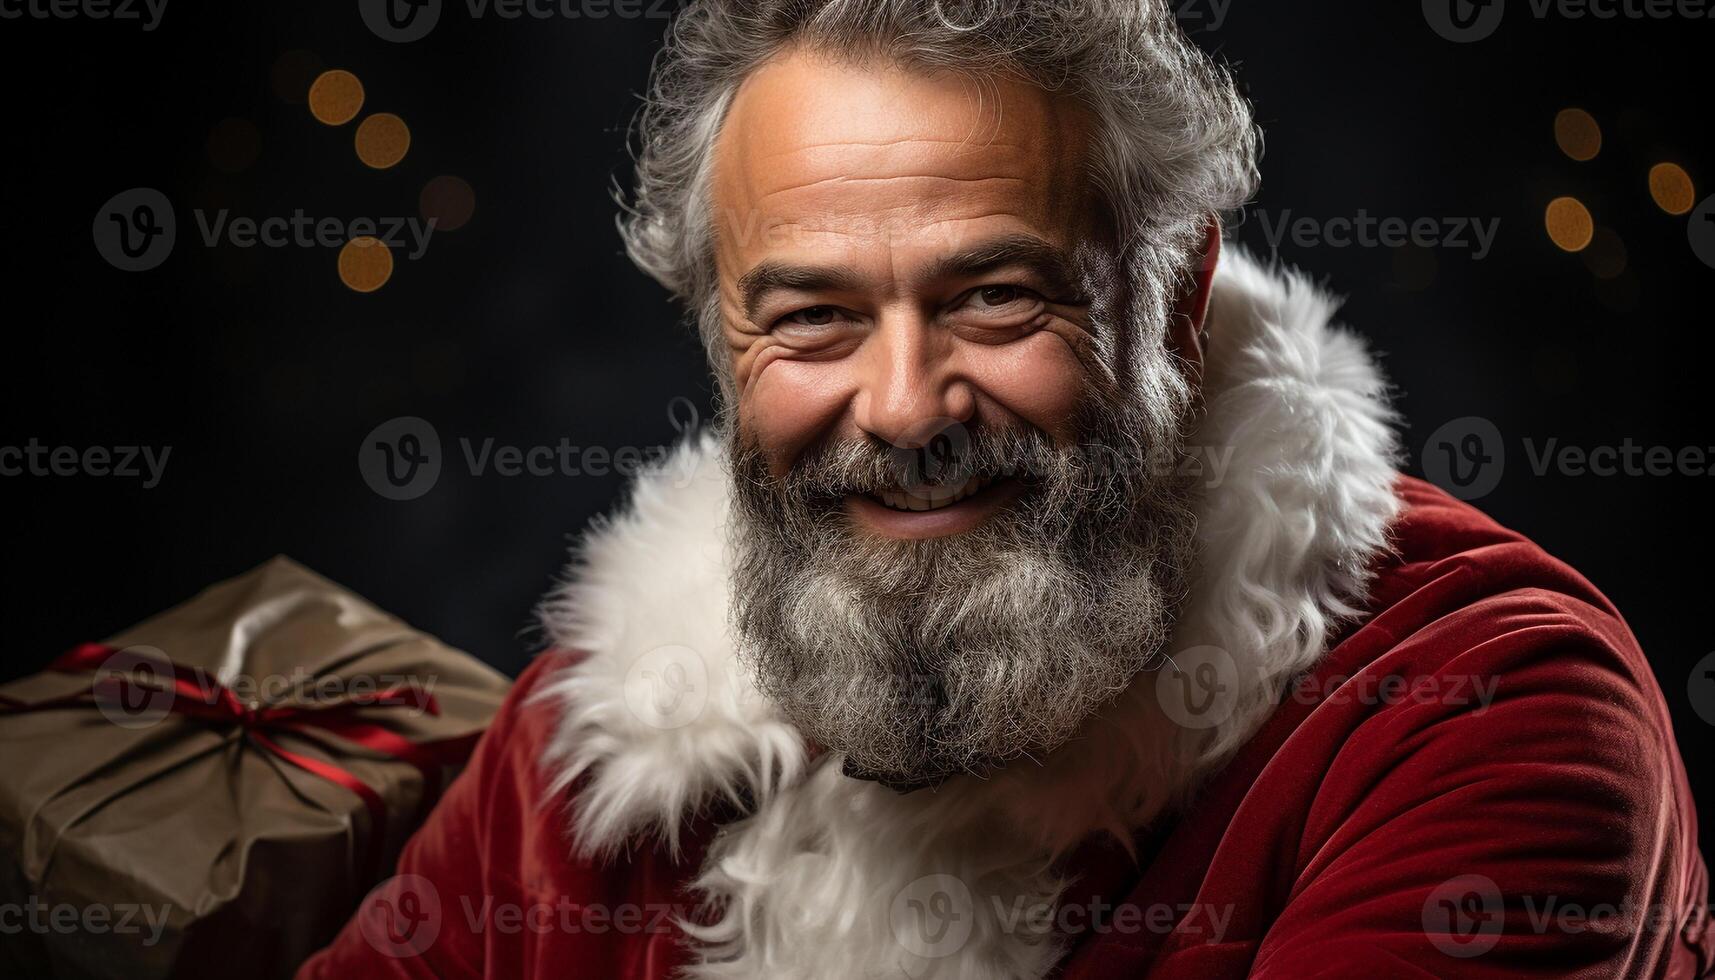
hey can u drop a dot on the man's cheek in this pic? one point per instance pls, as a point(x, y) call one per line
point(1040, 379)
point(790, 405)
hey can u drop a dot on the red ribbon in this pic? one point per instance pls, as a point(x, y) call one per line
point(197, 695)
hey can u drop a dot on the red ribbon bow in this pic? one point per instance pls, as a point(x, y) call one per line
point(195, 694)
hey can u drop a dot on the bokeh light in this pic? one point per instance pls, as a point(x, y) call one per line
point(365, 264)
point(1672, 189)
point(335, 97)
point(233, 145)
point(382, 140)
point(1621, 294)
point(1569, 223)
point(292, 74)
point(1415, 268)
point(449, 201)
point(1606, 256)
point(1578, 133)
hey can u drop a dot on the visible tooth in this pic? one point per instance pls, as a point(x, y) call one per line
point(931, 498)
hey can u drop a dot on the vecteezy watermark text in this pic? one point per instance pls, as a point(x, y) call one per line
point(122, 462)
point(1468, 456)
point(302, 231)
point(1364, 230)
point(403, 21)
point(401, 459)
point(145, 12)
point(1466, 21)
point(65, 918)
point(136, 230)
point(1197, 16)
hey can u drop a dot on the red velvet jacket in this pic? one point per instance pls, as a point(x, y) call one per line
point(1479, 779)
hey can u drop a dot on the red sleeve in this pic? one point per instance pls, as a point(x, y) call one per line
point(1526, 817)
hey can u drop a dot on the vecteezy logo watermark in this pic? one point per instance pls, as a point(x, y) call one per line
point(932, 917)
point(134, 687)
point(400, 459)
point(668, 687)
point(1365, 230)
point(66, 919)
point(564, 916)
point(1465, 457)
point(1700, 689)
point(1201, 16)
point(1701, 231)
point(1198, 687)
point(402, 21)
point(1097, 917)
point(138, 686)
point(303, 231)
point(401, 917)
point(146, 12)
point(1473, 691)
point(1464, 21)
point(1462, 916)
point(135, 229)
point(35, 459)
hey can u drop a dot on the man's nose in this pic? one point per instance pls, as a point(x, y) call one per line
point(909, 389)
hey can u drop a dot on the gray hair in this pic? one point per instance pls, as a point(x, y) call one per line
point(1175, 140)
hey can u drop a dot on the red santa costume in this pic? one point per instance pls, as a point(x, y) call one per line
point(1439, 751)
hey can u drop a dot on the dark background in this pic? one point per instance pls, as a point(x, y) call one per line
point(264, 373)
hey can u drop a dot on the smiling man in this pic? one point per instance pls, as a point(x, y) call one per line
point(946, 663)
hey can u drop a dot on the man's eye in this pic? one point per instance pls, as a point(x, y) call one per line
point(812, 316)
point(999, 299)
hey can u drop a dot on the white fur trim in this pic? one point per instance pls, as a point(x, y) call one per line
point(661, 721)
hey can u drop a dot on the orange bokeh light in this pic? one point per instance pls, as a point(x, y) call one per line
point(365, 264)
point(335, 97)
point(449, 201)
point(382, 140)
point(1578, 133)
point(1672, 189)
point(1569, 223)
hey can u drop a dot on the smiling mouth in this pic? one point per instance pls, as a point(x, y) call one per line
point(931, 498)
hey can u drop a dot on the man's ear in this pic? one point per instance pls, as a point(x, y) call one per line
point(1186, 333)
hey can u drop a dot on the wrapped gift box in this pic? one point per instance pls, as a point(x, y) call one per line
point(212, 791)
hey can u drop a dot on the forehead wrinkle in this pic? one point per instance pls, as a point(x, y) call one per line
point(880, 108)
point(900, 141)
point(856, 161)
point(886, 178)
point(1035, 182)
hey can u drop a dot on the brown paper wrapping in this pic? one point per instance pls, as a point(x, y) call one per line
point(223, 860)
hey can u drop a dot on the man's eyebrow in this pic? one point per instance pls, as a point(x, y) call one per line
point(1049, 262)
point(770, 275)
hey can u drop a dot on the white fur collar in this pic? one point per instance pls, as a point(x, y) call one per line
point(818, 880)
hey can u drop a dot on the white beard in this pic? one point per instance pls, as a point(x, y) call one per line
point(917, 660)
point(818, 880)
